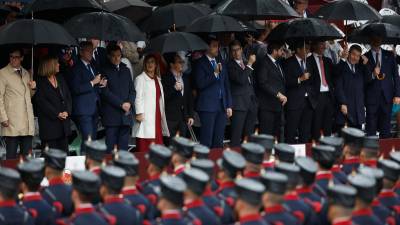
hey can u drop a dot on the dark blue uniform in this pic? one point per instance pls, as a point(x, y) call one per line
point(124, 213)
point(199, 210)
point(322, 180)
point(306, 192)
point(172, 218)
point(300, 209)
point(12, 214)
point(226, 191)
point(218, 206)
point(86, 215)
point(279, 215)
point(383, 213)
point(389, 199)
point(58, 195)
point(255, 219)
point(365, 217)
point(140, 202)
point(150, 187)
point(397, 188)
point(338, 174)
point(43, 213)
point(350, 164)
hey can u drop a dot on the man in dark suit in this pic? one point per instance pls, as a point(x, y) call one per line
point(351, 78)
point(84, 85)
point(214, 101)
point(301, 91)
point(321, 69)
point(270, 89)
point(383, 90)
point(244, 103)
point(178, 96)
point(117, 100)
point(99, 57)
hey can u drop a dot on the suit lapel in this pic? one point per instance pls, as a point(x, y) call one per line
point(273, 65)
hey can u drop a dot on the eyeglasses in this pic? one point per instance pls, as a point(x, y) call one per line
point(15, 56)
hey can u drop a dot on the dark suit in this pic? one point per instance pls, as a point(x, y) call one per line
point(178, 106)
point(301, 101)
point(269, 82)
point(85, 98)
point(324, 109)
point(349, 91)
point(99, 58)
point(244, 103)
point(379, 94)
point(119, 90)
point(50, 102)
point(213, 98)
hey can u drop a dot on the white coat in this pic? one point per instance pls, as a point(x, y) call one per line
point(145, 103)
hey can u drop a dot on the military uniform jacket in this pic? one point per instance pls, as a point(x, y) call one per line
point(40, 210)
point(124, 213)
point(199, 210)
point(58, 195)
point(12, 214)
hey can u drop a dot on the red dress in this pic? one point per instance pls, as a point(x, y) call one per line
point(142, 144)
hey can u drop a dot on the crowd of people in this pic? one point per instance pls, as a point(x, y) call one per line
point(343, 182)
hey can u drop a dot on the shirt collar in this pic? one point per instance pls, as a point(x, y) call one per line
point(272, 59)
point(85, 63)
point(210, 59)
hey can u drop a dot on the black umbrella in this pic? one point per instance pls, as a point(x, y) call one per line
point(347, 10)
point(177, 41)
point(215, 23)
point(304, 29)
point(61, 10)
point(389, 33)
point(135, 10)
point(35, 32)
point(257, 9)
point(392, 19)
point(104, 26)
point(176, 16)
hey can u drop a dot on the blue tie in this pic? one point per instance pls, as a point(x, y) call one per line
point(90, 69)
point(214, 64)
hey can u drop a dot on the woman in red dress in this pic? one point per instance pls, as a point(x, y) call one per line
point(151, 124)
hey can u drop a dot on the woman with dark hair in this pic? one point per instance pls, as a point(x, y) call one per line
point(54, 105)
point(151, 123)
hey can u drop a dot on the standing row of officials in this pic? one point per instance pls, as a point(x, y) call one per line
point(343, 183)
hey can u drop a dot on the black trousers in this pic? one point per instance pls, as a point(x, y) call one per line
point(299, 122)
point(12, 143)
point(59, 143)
point(242, 125)
point(270, 122)
point(323, 116)
point(174, 126)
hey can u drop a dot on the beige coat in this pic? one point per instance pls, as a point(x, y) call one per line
point(15, 103)
point(144, 103)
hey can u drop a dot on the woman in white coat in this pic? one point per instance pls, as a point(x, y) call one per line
point(151, 123)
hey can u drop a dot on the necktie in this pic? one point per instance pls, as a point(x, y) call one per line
point(90, 69)
point(214, 64)
point(353, 67)
point(303, 68)
point(19, 72)
point(378, 63)
point(323, 77)
point(333, 56)
point(242, 65)
point(279, 68)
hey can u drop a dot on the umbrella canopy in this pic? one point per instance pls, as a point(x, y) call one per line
point(304, 28)
point(347, 10)
point(104, 26)
point(135, 10)
point(177, 41)
point(390, 33)
point(35, 32)
point(60, 10)
point(257, 9)
point(216, 23)
point(179, 15)
point(392, 19)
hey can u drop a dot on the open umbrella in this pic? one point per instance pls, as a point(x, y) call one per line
point(35, 32)
point(215, 23)
point(390, 33)
point(135, 10)
point(392, 19)
point(177, 15)
point(304, 29)
point(177, 41)
point(347, 10)
point(257, 9)
point(104, 26)
point(61, 10)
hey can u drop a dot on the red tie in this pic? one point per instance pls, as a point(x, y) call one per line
point(321, 64)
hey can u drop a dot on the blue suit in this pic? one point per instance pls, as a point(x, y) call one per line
point(349, 91)
point(200, 211)
point(213, 98)
point(42, 212)
point(124, 213)
point(85, 98)
point(58, 195)
point(119, 90)
point(84, 217)
point(379, 94)
point(219, 207)
point(279, 215)
point(300, 209)
point(13, 214)
point(139, 201)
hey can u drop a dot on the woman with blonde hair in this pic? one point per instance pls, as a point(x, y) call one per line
point(151, 124)
point(53, 104)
